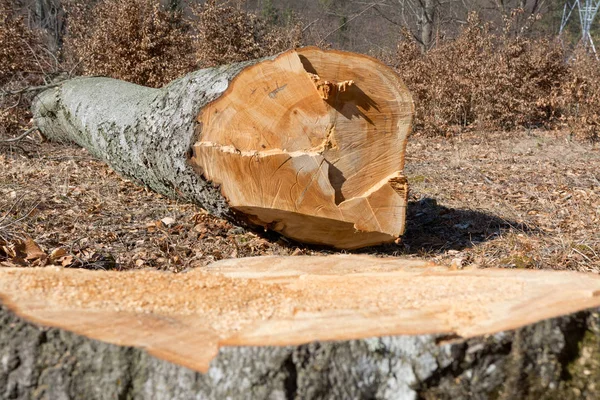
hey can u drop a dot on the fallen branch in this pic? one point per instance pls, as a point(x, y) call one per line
point(21, 136)
point(30, 89)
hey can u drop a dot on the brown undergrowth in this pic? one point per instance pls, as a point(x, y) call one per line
point(491, 78)
point(137, 41)
point(24, 62)
point(226, 34)
point(143, 42)
point(528, 201)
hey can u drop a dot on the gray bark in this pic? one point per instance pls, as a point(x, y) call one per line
point(557, 358)
point(144, 134)
point(426, 23)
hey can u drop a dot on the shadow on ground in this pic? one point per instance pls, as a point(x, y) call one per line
point(435, 229)
point(431, 229)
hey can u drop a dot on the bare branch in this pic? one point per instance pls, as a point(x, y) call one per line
point(388, 19)
point(309, 25)
point(31, 88)
point(350, 20)
point(21, 136)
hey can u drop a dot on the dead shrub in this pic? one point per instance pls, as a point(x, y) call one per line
point(23, 62)
point(579, 96)
point(444, 80)
point(136, 40)
point(227, 34)
point(495, 80)
point(139, 41)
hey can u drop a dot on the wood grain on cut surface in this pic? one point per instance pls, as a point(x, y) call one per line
point(264, 301)
point(312, 135)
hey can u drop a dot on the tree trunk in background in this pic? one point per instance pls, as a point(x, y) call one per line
point(309, 144)
point(49, 15)
point(426, 20)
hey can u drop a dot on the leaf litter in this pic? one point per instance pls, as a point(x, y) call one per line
point(530, 199)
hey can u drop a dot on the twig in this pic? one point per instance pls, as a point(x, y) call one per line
point(37, 61)
point(21, 136)
point(32, 88)
point(9, 223)
point(309, 25)
point(12, 207)
point(14, 105)
point(581, 254)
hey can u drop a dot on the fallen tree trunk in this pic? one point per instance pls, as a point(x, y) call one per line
point(300, 327)
point(309, 143)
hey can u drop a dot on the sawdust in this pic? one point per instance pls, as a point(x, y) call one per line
point(288, 300)
point(227, 304)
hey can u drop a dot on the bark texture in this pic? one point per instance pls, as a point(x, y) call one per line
point(556, 358)
point(108, 117)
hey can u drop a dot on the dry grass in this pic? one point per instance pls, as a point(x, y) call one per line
point(531, 200)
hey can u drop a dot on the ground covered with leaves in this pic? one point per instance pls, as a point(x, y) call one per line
point(528, 200)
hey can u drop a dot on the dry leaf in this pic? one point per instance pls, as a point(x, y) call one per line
point(33, 251)
point(9, 251)
point(66, 261)
point(168, 221)
point(57, 253)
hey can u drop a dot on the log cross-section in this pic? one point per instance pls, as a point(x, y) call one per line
point(309, 143)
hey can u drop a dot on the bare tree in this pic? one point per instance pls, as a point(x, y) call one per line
point(50, 16)
point(425, 19)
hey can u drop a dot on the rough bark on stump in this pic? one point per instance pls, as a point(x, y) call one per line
point(309, 143)
point(348, 299)
point(552, 359)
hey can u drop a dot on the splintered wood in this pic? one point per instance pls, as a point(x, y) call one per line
point(328, 89)
point(264, 301)
point(311, 144)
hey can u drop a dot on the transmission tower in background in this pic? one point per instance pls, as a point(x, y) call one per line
point(587, 10)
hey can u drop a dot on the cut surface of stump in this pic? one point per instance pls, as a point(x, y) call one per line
point(311, 144)
point(266, 301)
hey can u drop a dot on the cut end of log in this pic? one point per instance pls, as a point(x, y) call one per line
point(311, 145)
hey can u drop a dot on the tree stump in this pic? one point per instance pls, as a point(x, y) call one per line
point(300, 327)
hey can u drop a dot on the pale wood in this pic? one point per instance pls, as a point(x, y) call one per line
point(311, 144)
point(185, 318)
